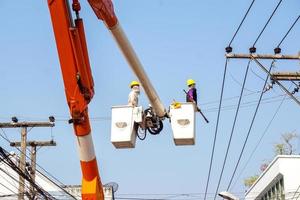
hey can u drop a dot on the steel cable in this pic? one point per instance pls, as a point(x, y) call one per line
point(260, 139)
point(261, 32)
point(250, 128)
point(288, 31)
point(232, 130)
point(237, 30)
point(48, 173)
point(216, 128)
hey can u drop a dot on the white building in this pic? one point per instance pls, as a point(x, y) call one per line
point(279, 181)
point(75, 190)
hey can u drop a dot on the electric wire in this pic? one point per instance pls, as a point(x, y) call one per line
point(5, 171)
point(6, 159)
point(229, 185)
point(10, 176)
point(278, 83)
point(258, 76)
point(8, 188)
point(296, 193)
point(288, 31)
point(250, 128)
point(261, 32)
point(240, 84)
point(230, 98)
point(216, 129)
point(247, 103)
point(48, 173)
point(233, 126)
point(237, 30)
point(260, 140)
point(258, 104)
point(39, 167)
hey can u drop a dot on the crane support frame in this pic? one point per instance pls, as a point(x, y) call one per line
point(138, 69)
point(78, 82)
point(104, 11)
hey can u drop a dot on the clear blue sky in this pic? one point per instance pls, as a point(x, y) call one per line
point(175, 40)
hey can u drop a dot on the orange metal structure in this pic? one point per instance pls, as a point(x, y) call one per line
point(78, 81)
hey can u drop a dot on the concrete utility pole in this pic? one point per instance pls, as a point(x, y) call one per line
point(275, 77)
point(33, 145)
point(285, 76)
point(263, 56)
point(24, 126)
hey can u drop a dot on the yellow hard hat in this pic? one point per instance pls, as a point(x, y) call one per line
point(134, 83)
point(190, 82)
point(176, 104)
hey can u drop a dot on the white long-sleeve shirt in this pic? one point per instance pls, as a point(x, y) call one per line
point(133, 97)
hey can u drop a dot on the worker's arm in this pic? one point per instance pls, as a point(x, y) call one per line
point(197, 108)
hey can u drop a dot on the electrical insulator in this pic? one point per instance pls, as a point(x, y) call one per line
point(252, 49)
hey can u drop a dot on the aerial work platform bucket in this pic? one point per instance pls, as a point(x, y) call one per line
point(123, 129)
point(183, 124)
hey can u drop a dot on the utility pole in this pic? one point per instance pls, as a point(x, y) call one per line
point(24, 126)
point(33, 145)
point(263, 56)
point(286, 76)
point(274, 77)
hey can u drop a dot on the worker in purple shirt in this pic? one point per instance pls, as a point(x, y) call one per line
point(191, 95)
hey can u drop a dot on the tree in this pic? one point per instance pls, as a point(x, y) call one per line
point(286, 147)
point(248, 182)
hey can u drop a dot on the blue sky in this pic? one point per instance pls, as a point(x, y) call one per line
point(175, 40)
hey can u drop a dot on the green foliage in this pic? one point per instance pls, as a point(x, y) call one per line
point(286, 147)
point(248, 182)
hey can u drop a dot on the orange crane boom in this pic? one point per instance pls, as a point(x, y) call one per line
point(79, 88)
point(78, 81)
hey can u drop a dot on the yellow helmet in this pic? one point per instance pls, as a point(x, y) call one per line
point(134, 83)
point(190, 82)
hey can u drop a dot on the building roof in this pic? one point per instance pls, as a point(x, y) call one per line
point(278, 170)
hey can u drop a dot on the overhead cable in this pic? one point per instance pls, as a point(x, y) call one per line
point(260, 139)
point(237, 30)
point(250, 128)
point(288, 31)
point(48, 173)
point(6, 159)
point(216, 129)
point(282, 87)
point(233, 126)
point(267, 23)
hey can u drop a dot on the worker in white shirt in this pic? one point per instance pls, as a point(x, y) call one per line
point(133, 97)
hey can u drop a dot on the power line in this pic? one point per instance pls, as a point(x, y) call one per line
point(247, 103)
point(288, 31)
point(12, 165)
point(229, 98)
point(10, 176)
point(250, 128)
point(266, 23)
point(237, 30)
point(232, 130)
point(240, 84)
point(216, 129)
point(8, 188)
point(296, 193)
point(48, 173)
point(260, 139)
point(279, 106)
